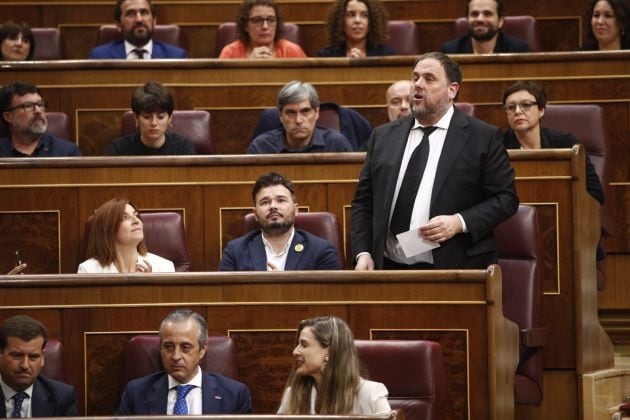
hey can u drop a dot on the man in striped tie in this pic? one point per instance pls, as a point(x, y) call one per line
point(24, 391)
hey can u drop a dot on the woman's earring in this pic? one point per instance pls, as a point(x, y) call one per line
point(322, 368)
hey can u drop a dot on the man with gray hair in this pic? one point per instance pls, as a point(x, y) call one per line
point(24, 112)
point(182, 388)
point(298, 105)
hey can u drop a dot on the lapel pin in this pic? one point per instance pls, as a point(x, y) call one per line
point(299, 248)
point(217, 397)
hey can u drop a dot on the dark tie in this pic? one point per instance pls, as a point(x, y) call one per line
point(139, 52)
point(17, 404)
point(410, 184)
point(180, 404)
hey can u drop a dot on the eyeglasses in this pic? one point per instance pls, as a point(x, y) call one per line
point(525, 106)
point(30, 106)
point(260, 21)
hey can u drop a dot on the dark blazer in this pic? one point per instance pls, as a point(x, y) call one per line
point(116, 49)
point(50, 399)
point(550, 139)
point(505, 44)
point(247, 253)
point(474, 178)
point(149, 395)
point(49, 146)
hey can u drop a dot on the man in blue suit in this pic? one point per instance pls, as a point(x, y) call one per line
point(183, 388)
point(24, 392)
point(277, 245)
point(136, 20)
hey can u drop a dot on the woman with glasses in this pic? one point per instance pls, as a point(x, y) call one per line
point(260, 30)
point(356, 29)
point(116, 242)
point(607, 25)
point(326, 379)
point(16, 41)
point(524, 103)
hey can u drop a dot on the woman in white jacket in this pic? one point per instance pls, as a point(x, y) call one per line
point(116, 242)
point(326, 376)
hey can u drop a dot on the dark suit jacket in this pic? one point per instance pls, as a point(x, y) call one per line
point(50, 399)
point(149, 395)
point(116, 49)
point(247, 253)
point(505, 44)
point(474, 178)
point(550, 139)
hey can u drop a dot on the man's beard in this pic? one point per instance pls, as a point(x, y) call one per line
point(32, 130)
point(489, 34)
point(139, 40)
point(277, 228)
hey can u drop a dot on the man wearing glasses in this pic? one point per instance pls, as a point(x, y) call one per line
point(298, 106)
point(24, 113)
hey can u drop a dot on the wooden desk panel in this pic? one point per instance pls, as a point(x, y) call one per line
point(460, 309)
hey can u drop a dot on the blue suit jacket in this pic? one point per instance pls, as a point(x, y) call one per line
point(247, 253)
point(220, 395)
point(50, 399)
point(116, 49)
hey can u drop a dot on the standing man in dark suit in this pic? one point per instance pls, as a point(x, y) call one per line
point(183, 388)
point(485, 20)
point(450, 193)
point(25, 392)
point(136, 20)
point(277, 245)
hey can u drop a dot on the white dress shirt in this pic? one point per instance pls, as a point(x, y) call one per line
point(131, 54)
point(8, 393)
point(194, 398)
point(279, 260)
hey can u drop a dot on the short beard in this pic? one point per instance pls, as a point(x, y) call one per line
point(277, 228)
point(491, 33)
point(138, 41)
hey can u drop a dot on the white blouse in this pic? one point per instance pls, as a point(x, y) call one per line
point(158, 264)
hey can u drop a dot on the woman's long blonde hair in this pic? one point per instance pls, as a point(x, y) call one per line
point(340, 376)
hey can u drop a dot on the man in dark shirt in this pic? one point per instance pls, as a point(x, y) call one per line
point(24, 112)
point(485, 20)
point(298, 105)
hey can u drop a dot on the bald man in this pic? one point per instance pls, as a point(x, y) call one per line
point(397, 98)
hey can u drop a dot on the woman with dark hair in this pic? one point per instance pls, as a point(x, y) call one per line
point(116, 242)
point(607, 25)
point(326, 376)
point(356, 29)
point(152, 105)
point(16, 41)
point(260, 30)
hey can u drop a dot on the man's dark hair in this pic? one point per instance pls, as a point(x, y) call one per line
point(118, 9)
point(152, 97)
point(16, 88)
point(269, 180)
point(451, 68)
point(500, 8)
point(533, 89)
point(23, 327)
point(13, 28)
point(182, 315)
point(242, 17)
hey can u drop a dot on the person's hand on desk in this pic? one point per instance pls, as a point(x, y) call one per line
point(364, 263)
point(18, 269)
point(261, 52)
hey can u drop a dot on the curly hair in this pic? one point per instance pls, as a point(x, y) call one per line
point(243, 16)
point(622, 13)
point(377, 30)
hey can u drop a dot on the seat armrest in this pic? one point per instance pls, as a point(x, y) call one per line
point(534, 337)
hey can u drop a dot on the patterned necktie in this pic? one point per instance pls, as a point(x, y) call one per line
point(180, 404)
point(140, 53)
point(17, 404)
point(410, 184)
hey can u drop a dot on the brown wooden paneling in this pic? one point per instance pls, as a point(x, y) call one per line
point(461, 309)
